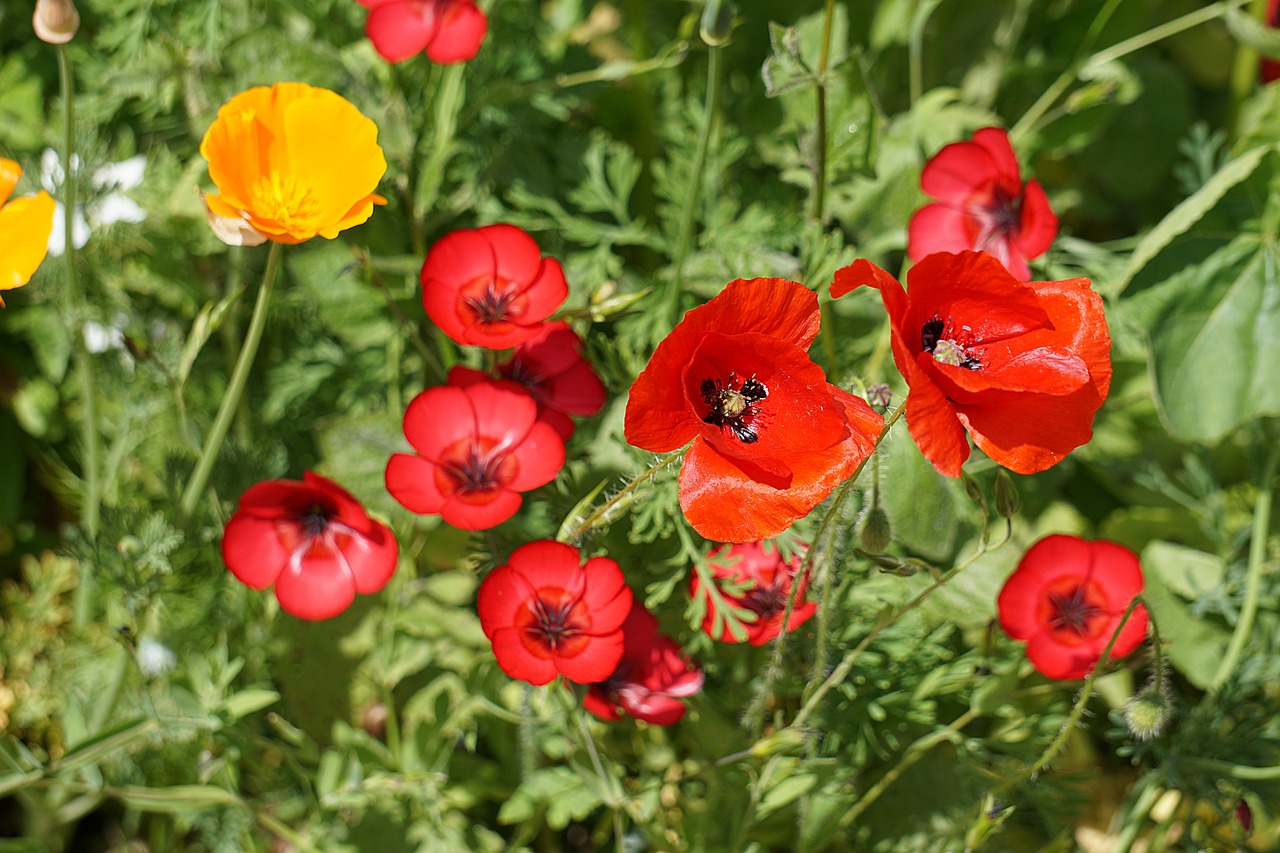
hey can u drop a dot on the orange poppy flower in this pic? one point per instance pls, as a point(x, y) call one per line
point(1022, 367)
point(290, 162)
point(771, 438)
point(25, 224)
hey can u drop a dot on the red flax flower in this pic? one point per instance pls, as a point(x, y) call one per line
point(982, 204)
point(769, 578)
point(1066, 598)
point(448, 30)
point(479, 445)
point(771, 438)
point(312, 540)
point(548, 614)
point(552, 369)
point(651, 679)
point(491, 287)
point(1022, 367)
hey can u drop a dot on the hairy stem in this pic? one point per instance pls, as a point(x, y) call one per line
point(602, 512)
point(231, 399)
point(818, 197)
point(684, 236)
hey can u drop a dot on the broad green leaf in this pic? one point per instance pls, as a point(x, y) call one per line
point(1213, 344)
point(919, 500)
point(1188, 213)
point(1195, 646)
point(559, 789)
point(786, 791)
point(247, 701)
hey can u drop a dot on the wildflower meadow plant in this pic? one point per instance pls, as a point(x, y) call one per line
point(560, 426)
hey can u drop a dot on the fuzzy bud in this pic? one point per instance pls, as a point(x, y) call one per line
point(717, 22)
point(875, 531)
point(1007, 501)
point(55, 21)
point(1147, 715)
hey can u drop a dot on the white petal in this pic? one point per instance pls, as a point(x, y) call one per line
point(126, 174)
point(117, 208)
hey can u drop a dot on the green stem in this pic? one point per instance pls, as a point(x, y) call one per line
point(448, 101)
point(231, 399)
point(684, 236)
point(1136, 815)
point(603, 511)
point(90, 500)
point(1244, 73)
point(1253, 582)
point(818, 199)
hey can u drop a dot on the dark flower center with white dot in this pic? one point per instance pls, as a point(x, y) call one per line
point(938, 339)
point(1072, 611)
point(490, 305)
point(553, 624)
point(732, 404)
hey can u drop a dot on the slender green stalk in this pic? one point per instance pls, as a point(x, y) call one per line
point(602, 512)
point(1136, 815)
point(231, 399)
point(818, 197)
point(1244, 74)
point(448, 101)
point(1253, 581)
point(684, 236)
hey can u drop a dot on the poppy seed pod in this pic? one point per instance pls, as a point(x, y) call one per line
point(56, 21)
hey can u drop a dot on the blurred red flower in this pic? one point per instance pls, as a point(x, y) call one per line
point(1269, 69)
point(552, 369)
point(982, 205)
point(479, 445)
point(491, 287)
point(547, 614)
point(1022, 367)
point(771, 438)
point(769, 578)
point(1066, 598)
point(651, 679)
point(448, 30)
point(313, 540)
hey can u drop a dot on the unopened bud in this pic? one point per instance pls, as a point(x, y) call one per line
point(782, 741)
point(56, 21)
point(1007, 501)
point(1147, 715)
point(717, 22)
point(875, 531)
point(1244, 817)
point(973, 490)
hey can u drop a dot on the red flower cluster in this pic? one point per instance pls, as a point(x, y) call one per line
point(312, 540)
point(1066, 598)
point(651, 679)
point(982, 205)
point(768, 579)
point(548, 614)
point(479, 444)
point(771, 438)
point(491, 287)
point(1022, 367)
point(448, 30)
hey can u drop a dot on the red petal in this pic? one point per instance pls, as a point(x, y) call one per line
point(933, 424)
point(399, 30)
point(1009, 366)
point(315, 587)
point(412, 481)
point(503, 412)
point(456, 259)
point(1056, 660)
point(517, 256)
point(606, 595)
point(546, 563)
point(466, 515)
point(518, 662)
point(252, 550)
point(545, 293)
point(539, 457)
point(576, 391)
point(372, 558)
point(596, 662)
point(972, 289)
point(996, 142)
point(598, 703)
point(438, 418)
point(556, 349)
point(960, 172)
point(462, 29)
point(940, 228)
point(1048, 560)
point(1029, 433)
point(501, 596)
point(1039, 225)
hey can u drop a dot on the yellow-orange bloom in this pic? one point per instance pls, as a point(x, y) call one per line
point(25, 224)
point(290, 162)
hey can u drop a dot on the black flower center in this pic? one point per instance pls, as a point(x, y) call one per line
point(1072, 611)
point(474, 472)
point(767, 601)
point(553, 624)
point(315, 520)
point(490, 305)
point(732, 404)
point(938, 338)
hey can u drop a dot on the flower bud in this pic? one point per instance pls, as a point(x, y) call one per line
point(875, 531)
point(1147, 715)
point(55, 21)
point(717, 22)
point(1244, 817)
point(1007, 501)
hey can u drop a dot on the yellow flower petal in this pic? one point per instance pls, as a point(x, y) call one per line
point(25, 224)
point(10, 172)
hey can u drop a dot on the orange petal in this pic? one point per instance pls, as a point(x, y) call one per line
point(25, 224)
point(10, 172)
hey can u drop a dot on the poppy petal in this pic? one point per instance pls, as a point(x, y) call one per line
point(399, 30)
point(1055, 660)
point(1028, 433)
point(539, 456)
point(1038, 225)
point(940, 228)
point(516, 255)
point(372, 558)
point(411, 480)
point(472, 515)
point(517, 661)
point(606, 595)
point(315, 587)
point(996, 142)
point(462, 30)
point(962, 173)
point(595, 662)
point(934, 425)
point(252, 550)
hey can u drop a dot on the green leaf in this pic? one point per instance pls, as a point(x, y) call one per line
point(179, 798)
point(1213, 344)
point(100, 746)
point(1195, 646)
point(559, 789)
point(1252, 33)
point(919, 501)
point(786, 791)
point(248, 701)
point(1189, 212)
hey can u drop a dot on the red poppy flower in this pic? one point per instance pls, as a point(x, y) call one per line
point(491, 287)
point(1066, 598)
point(479, 447)
point(771, 438)
point(651, 679)
point(770, 578)
point(312, 540)
point(982, 205)
point(547, 614)
point(1022, 367)
point(552, 369)
point(448, 30)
